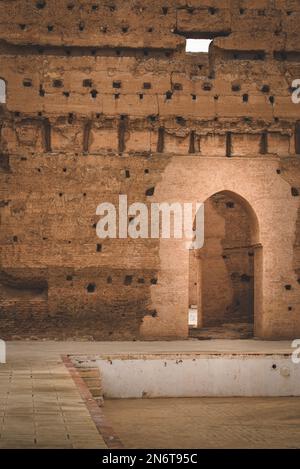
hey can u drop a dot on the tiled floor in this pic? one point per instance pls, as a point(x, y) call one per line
point(41, 407)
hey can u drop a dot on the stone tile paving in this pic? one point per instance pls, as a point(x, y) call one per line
point(41, 407)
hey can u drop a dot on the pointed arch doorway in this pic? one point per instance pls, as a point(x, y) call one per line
point(225, 275)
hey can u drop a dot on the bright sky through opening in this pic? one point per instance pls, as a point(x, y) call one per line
point(198, 45)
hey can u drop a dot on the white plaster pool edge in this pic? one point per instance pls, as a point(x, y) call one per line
point(195, 375)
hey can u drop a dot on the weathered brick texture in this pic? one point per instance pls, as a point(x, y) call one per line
point(102, 100)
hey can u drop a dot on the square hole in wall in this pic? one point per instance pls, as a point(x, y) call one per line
point(117, 84)
point(198, 45)
point(27, 82)
point(128, 280)
point(91, 288)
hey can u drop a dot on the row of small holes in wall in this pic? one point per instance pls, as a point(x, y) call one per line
point(126, 173)
point(149, 193)
point(117, 84)
point(242, 11)
point(168, 96)
point(118, 52)
point(262, 12)
point(81, 26)
point(128, 280)
point(164, 10)
point(87, 83)
point(154, 118)
point(41, 4)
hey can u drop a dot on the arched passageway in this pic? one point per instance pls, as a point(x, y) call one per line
point(224, 274)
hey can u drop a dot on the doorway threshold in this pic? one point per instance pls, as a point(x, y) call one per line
point(235, 331)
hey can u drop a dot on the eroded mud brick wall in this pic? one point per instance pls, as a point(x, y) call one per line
point(100, 97)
